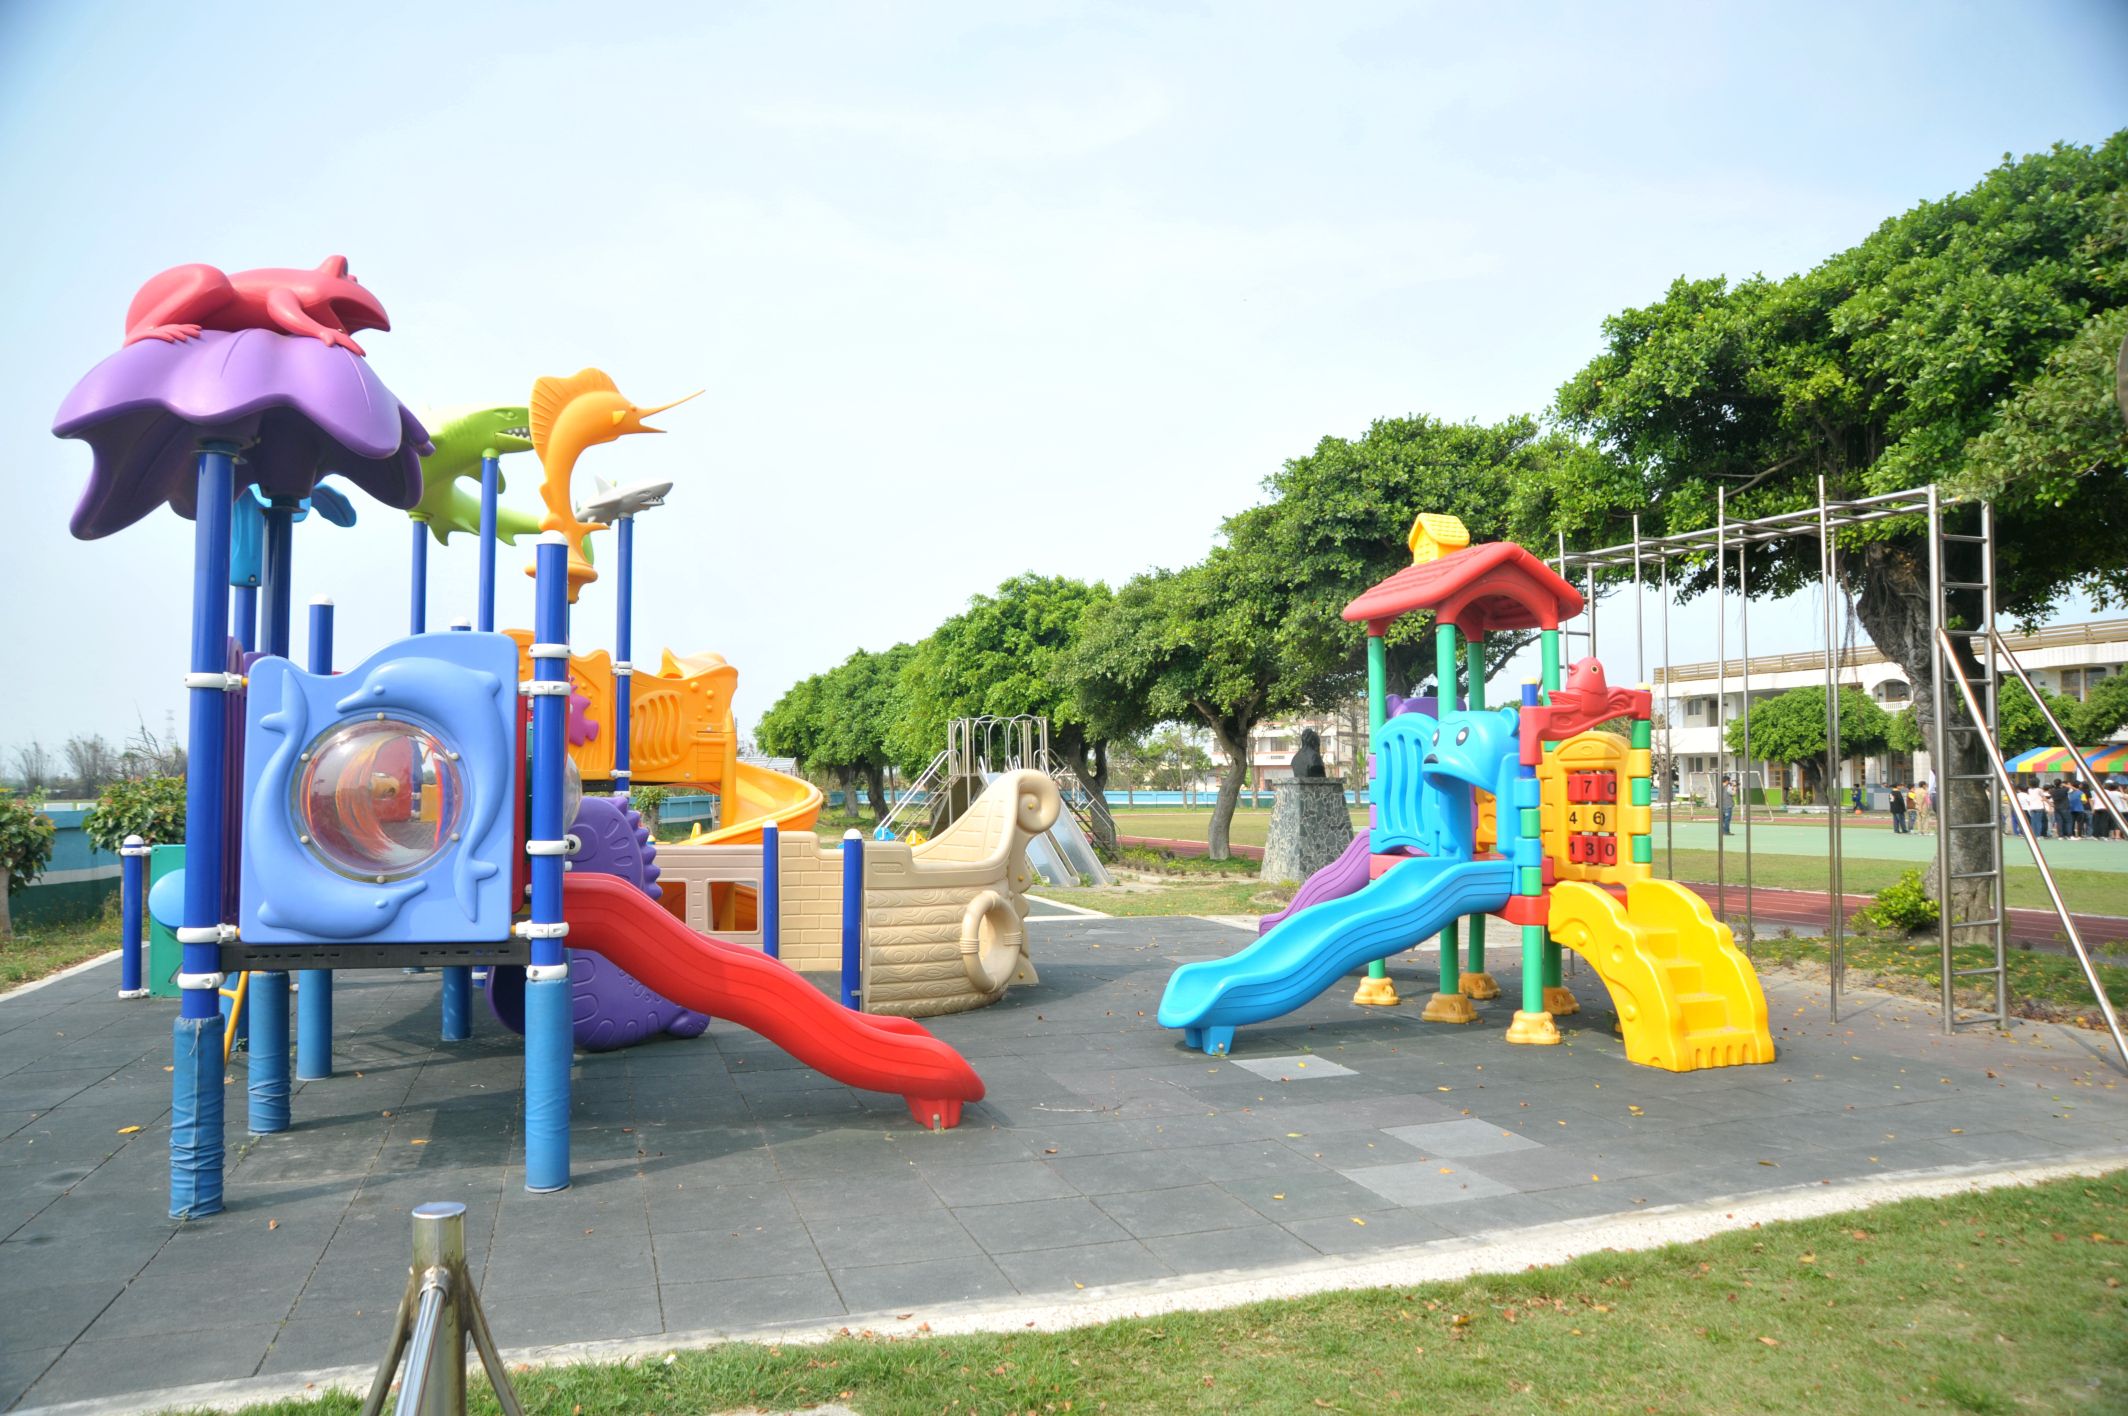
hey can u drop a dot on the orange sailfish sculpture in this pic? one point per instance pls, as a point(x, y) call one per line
point(569, 415)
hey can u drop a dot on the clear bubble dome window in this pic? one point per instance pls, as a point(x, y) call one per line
point(378, 798)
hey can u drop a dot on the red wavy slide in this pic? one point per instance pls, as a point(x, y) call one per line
point(610, 916)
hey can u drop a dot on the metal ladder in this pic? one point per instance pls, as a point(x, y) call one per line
point(919, 801)
point(1979, 709)
point(1969, 713)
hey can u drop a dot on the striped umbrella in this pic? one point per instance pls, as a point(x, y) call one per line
point(2110, 758)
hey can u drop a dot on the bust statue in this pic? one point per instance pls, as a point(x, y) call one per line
point(1308, 762)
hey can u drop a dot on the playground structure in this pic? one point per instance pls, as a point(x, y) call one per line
point(418, 808)
point(1537, 812)
point(1968, 658)
point(977, 751)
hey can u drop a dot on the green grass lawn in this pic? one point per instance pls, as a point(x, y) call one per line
point(2055, 981)
point(2005, 1302)
point(38, 950)
point(1231, 897)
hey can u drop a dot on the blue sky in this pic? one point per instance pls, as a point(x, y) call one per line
point(973, 289)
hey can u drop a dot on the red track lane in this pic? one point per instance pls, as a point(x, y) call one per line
point(608, 915)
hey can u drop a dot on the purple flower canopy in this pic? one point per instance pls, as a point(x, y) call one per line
point(301, 409)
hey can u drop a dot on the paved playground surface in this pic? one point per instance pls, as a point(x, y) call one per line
point(720, 1187)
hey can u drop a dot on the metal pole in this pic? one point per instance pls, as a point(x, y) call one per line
point(1640, 612)
point(623, 670)
point(132, 866)
point(196, 1036)
point(1721, 697)
point(1937, 740)
point(245, 609)
point(276, 585)
point(549, 1029)
point(417, 599)
point(2046, 874)
point(1993, 724)
point(490, 484)
point(439, 1247)
point(314, 987)
point(1669, 735)
point(1743, 617)
point(770, 906)
point(1828, 581)
point(852, 918)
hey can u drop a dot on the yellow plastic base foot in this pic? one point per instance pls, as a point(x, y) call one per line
point(1376, 993)
point(1450, 1008)
point(1561, 1003)
point(1480, 986)
point(1532, 1029)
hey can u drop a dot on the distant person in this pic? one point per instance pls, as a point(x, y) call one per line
point(1854, 800)
point(2058, 803)
point(1725, 802)
point(2033, 802)
point(2079, 811)
point(2118, 795)
point(1898, 806)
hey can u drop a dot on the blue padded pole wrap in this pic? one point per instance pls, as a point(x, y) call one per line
point(132, 897)
point(196, 1118)
point(852, 918)
point(314, 987)
point(549, 1026)
point(267, 1002)
point(549, 1050)
point(770, 905)
point(457, 1002)
point(278, 585)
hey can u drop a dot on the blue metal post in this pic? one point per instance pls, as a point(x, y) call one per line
point(314, 987)
point(852, 918)
point(196, 1036)
point(623, 669)
point(266, 997)
point(490, 484)
point(417, 603)
point(132, 896)
point(245, 609)
point(549, 1034)
point(770, 905)
point(275, 584)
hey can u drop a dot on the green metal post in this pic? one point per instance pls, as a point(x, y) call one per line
point(1474, 676)
point(1377, 715)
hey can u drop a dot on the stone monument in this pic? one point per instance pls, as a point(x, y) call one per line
point(1309, 824)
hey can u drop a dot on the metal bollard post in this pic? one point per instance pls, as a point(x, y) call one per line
point(438, 1313)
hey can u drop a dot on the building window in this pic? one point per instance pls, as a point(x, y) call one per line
point(2079, 683)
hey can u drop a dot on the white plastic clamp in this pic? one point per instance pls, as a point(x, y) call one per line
point(544, 688)
point(206, 934)
point(546, 973)
point(533, 929)
point(227, 683)
point(139, 850)
point(132, 993)
point(192, 982)
point(622, 668)
point(620, 772)
point(548, 848)
point(549, 651)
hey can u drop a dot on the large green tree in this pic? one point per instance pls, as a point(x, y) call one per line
point(1790, 727)
point(1005, 655)
point(1963, 341)
point(1340, 515)
point(837, 724)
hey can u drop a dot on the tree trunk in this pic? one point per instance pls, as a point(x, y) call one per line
point(1092, 770)
point(7, 919)
point(1893, 605)
point(876, 783)
point(1234, 741)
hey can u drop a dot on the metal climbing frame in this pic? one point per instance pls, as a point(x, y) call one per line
point(1963, 706)
point(978, 747)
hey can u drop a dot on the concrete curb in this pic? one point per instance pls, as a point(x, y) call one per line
point(1508, 1251)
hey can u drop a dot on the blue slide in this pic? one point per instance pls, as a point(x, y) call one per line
point(1314, 949)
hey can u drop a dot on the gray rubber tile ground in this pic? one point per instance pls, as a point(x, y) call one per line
point(719, 1185)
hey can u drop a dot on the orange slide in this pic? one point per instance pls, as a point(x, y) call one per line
point(611, 917)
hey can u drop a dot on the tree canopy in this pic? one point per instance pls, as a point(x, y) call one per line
point(1790, 727)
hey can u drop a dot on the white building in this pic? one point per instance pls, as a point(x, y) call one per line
point(2069, 660)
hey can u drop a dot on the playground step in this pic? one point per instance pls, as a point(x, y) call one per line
point(1724, 1047)
point(1703, 1012)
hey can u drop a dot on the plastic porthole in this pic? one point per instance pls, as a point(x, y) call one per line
point(993, 941)
point(377, 799)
